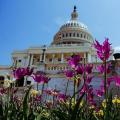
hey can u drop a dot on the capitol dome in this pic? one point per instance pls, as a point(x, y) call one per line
point(73, 32)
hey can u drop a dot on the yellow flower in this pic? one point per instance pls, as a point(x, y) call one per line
point(81, 103)
point(104, 103)
point(34, 92)
point(92, 107)
point(116, 100)
point(99, 113)
point(7, 83)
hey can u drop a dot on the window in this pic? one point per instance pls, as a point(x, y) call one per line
point(50, 60)
point(77, 34)
point(84, 36)
point(59, 59)
point(19, 60)
point(2, 77)
point(62, 35)
point(81, 36)
point(70, 34)
point(74, 24)
point(73, 34)
point(66, 34)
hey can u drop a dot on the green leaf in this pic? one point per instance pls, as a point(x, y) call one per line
point(25, 105)
point(75, 111)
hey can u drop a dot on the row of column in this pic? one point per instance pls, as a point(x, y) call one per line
point(30, 58)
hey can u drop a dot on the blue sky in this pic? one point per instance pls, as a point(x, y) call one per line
point(25, 23)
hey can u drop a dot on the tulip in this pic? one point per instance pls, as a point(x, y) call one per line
point(117, 80)
point(101, 68)
point(99, 93)
point(103, 51)
point(73, 61)
point(41, 78)
point(21, 72)
point(79, 69)
point(88, 68)
point(69, 73)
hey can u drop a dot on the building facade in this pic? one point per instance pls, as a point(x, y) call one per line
point(72, 37)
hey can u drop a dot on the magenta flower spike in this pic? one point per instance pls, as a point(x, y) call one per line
point(97, 45)
point(19, 73)
point(28, 71)
point(117, 80)
point(90, 94)
point(89, 79)
point(103, 51)
point(41, 78)
point(88, 68)
point(101, 68)
point(73, 61)
point(79, 69)
point(62, 96)
point(99, 93)
point(106, 48)
point(69, 73)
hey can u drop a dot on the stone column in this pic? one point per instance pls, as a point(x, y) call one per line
point(62, 58)
point(40, 57)
point(84, 59)
point(31, 62)
point(89, 57)
point(53, 57)
point(44, 57)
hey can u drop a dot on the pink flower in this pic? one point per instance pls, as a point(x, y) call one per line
point(3, 91)
point(69, 73)
point(74, 60)
point(84, 89)
point(109, 80)
point(90, 94)
point(79, 69)
point(28, 71)
point(41, 78)
point(103, 51)
point(101, 68)
point(88, 68)
point(99, 93)
point(88, 79)
point(117, 80)
point(62, 97)
point(21, 72)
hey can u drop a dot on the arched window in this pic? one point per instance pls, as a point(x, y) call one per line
point(66, 34)
point(63, 35)
point(2, 77)
point(77, 34)
point(73, 34)
point(84, 36)
point(70, 34)
point(81, 35)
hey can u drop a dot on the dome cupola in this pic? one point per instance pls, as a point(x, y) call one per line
point(73, 32)
point(74, 14)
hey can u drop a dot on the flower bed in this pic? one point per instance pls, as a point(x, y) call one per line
point(86, 102)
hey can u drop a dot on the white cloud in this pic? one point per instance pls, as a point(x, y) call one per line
point(117, 49)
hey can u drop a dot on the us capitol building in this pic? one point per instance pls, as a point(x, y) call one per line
point(72, 37)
